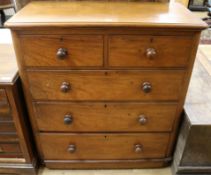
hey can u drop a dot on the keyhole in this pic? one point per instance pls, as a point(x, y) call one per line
point(61, 39)
point(151, 40)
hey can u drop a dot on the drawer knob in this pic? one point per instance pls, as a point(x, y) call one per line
point(151, 53)
point(138, 148)
point(61, 53)
point(71, 148)
point(146, 87)
point(68, 119)
point(65, 87)
point(142, 119)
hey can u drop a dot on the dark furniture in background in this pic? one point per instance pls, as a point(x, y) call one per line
point(5, 4)
point(193, 150)
point(201, 5)
point(21, 3)
point(198, 5)
point(208, 18)
point(17, 156)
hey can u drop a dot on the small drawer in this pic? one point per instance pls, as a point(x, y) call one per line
point(105, 85)
point(9, 148)
point(3, 97)
point(149, 51)
point(63, 51)
point(8, 137)
point(105, 117)
point(7, 126)
point(103, 146)
point(5, 111)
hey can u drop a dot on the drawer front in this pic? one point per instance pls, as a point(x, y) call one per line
point(106, 85)
point(7, 126)
point(108, 117)
point(103, 146)
point(149, 51)
point(72, 51)
point(9, 148)
point(3, 97)
point(8, 137)
point(5, 112)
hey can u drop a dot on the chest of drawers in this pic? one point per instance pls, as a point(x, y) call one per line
point(105, 82)
point(17, 155)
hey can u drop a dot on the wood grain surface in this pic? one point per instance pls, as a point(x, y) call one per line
point(95, 14)
point(5, 111)
point(105, 117)
point(131, 51)
point(103, 146)
point(105, 85)
point(104, 89)
point(82, 50)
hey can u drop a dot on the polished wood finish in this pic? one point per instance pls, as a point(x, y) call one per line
point(84, 50)
point(114, 14)
point(15, 141)
point(107, 164)
point(8, 137)
point(7, 126)
point(105, 117)
point(3, 97)
point(103, 146)
point(5, 111)
point(148, 51)
point(125, 85)
point(9, 148)
point(96, 112)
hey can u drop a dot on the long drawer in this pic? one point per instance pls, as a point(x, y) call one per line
point(105, 85)
point(65, 51)
point(103, 146)
point(107, 117)
point(149, 51)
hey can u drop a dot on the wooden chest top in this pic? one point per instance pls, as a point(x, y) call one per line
point(100, 14)
point(8, 68)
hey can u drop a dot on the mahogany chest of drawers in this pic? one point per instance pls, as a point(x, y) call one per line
point(105, 82)
point(17, 155)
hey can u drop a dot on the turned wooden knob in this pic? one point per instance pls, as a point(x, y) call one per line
point(61, 53)
point(142, 119)
point(68, 119)
point(65, 87)
point(151, 53)
point(71, 148)
point(146, 87)
point(138, 148)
